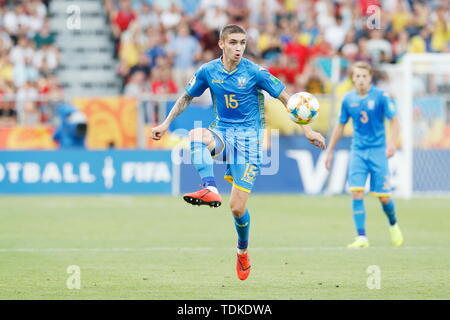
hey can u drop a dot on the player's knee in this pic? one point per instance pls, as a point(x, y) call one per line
point(385, 200)
point(201, 134)
point(237, 209)
point(358, 195)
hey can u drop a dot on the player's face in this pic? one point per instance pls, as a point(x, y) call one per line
point(361, 79)
point(233, 46)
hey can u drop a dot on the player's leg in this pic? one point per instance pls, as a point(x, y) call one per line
point(359, 219)
point(388, 206)
point(243, 165)
point(238, 206)
point(380, 187)
point(357, 177)
point(238, 202)
point(394, 229)
point(243, 178)
point(203, 143)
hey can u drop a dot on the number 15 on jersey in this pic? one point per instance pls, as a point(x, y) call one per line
point(230, 101)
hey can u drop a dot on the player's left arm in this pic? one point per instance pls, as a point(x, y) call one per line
point(390, 111)
point(392, 144)
point(314, 137)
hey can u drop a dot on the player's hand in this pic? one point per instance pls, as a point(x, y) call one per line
point(315, 138)
point(328, 160)
point(159, 131)
point(390, 150)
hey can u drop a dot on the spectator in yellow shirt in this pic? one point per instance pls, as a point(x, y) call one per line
point(441, 32)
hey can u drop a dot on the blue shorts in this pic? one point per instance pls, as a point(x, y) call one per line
point(373, 162)
point(241, 149)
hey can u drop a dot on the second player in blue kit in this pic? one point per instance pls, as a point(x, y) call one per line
point(369, 141)
point(235, 136)
point(368, 106)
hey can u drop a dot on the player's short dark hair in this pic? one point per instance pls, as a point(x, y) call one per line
point(362, 65)
point(229, 29)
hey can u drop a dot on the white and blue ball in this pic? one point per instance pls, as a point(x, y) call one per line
point(303, 108)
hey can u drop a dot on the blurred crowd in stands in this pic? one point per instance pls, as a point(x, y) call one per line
point(160, 43)
point(28, 61)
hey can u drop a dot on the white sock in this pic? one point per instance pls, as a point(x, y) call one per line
point(213, 189)
point(241, 251)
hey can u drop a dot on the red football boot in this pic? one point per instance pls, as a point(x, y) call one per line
point(203, 197)
point(243, 266)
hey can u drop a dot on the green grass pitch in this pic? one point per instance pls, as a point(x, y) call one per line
point(159, 247)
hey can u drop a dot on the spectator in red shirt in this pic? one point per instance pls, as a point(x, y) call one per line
point(123, 16)
point(285, 66)
point(43, 105)
point(121, 19)
point(321, 47)
point(299, 51)
point(162, 82)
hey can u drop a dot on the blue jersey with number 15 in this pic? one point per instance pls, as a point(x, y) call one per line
point(368, 114)
point(236, 94)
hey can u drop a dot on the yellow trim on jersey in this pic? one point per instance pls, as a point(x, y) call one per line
point(378, 194)
point(356, 189)
point(241, 188)
point(230, 72)
point(230, 180)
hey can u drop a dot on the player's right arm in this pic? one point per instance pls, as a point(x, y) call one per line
point(181, 104)
point(194, 88)
point(337, 134)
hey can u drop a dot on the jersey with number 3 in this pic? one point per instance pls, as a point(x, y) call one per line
point(368, 114)
point(236, 94)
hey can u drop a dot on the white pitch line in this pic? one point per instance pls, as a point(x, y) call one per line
point(205, 249)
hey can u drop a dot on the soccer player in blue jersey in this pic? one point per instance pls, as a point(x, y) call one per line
point(368, 106)
point(235, 135)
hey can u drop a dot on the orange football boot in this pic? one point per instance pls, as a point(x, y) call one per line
point(203, 197)
point(243, 266)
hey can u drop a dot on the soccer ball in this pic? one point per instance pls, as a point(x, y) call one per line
point(303, 108)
